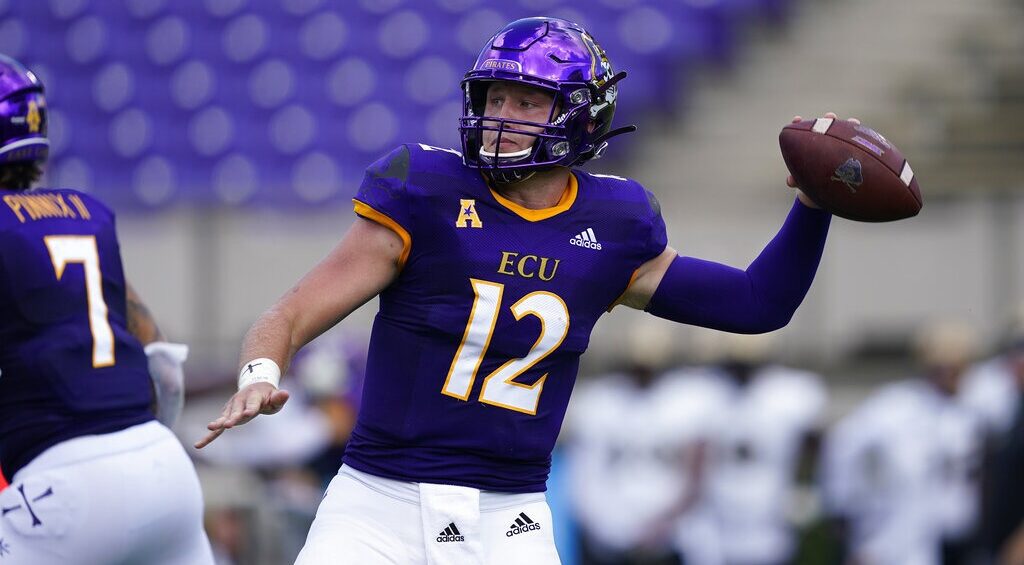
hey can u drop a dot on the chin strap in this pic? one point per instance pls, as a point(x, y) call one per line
point(513, 176)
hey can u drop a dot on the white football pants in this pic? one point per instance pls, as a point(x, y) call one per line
point(124, 498)
point(368, 520)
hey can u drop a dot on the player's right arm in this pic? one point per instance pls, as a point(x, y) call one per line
point(165, 360)
point(362, 265)
point(140, 321)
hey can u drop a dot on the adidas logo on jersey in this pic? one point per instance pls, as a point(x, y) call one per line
point(522, 525)
point(586, 238)
point(451, 533)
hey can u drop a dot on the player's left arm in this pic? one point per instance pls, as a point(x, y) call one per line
point(166, 373)
point(759, 299)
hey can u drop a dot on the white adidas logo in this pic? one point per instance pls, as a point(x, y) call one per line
point(586, 238)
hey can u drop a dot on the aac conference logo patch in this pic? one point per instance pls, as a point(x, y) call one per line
point(467, 214)
point(33, 119)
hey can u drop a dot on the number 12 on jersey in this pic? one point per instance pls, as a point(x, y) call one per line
point(500, 388)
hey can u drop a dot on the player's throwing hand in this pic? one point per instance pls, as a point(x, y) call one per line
point(791, 182)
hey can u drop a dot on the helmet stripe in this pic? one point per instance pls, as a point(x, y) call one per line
point(591, 45)
point(23, 143)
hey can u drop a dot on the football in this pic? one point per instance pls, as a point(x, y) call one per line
point(850, 170)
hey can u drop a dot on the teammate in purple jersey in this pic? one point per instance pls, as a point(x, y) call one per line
point(492, 266)
point(84, 372)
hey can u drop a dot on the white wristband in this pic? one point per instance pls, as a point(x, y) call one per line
point(260, 370)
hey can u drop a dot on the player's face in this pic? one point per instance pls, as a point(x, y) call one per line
point(514, 101)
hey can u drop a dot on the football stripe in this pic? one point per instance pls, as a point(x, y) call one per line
point(821, 125)
point(907, 174)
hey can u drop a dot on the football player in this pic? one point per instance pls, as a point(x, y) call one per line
point(766, 421)
point(94, 477)
point(900, 472)
point(492, 266)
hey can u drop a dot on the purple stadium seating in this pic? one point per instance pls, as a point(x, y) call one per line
point(285, 102)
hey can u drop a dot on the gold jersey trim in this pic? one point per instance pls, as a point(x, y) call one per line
point(368, 212)
point(531, 215)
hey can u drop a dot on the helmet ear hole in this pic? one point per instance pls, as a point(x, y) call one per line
point(476, 93)
point(558, 149)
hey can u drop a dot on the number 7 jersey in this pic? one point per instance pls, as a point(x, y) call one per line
point(476, 345)
point(68, 365)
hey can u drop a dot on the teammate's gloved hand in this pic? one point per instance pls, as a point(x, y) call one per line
point(791, 182)
point(246, 404)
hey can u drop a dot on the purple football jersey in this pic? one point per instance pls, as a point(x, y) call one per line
point(476, 345)
point(68, 366)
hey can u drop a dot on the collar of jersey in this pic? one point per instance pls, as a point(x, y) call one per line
point(533, 215)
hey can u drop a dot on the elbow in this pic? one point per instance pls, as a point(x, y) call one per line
point(760, 327)
point(774, 324)
point(770, 320)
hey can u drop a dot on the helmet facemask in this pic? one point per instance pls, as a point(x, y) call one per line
point(540, 144)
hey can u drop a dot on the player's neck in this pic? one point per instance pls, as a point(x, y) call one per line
point(543, 190)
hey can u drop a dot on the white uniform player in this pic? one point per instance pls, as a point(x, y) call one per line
point(990, 390)
point(632, 461)
point(899, 470)
point(760, 430)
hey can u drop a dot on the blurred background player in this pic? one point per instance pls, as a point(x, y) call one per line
point(766, 427)
point(331, 372)
point(901, 472)
point(994, 391)
point(991, 388)
point(95, 478)
point(637, 442)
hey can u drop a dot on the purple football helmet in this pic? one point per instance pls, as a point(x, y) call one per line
point(22, 114)
point(557, 56)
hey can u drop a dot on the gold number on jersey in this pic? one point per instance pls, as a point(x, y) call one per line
point(499, 387)
point(65, 249)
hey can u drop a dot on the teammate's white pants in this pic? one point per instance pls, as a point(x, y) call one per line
point(124, 498)
point(368, 520)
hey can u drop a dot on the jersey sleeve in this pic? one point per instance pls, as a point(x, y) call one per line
point(383, 197)
point(658, 239)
